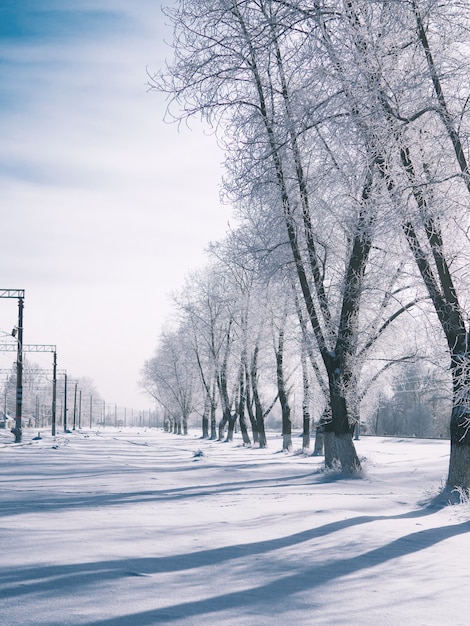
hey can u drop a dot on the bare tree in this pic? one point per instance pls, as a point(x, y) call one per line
point(330, 116)
point(169, 378)
point(238, 63)
point(421, 109)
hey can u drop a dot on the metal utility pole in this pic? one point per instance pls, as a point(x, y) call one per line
point(19, 294)
point(54, 391)
point(75, 407)
point(65, 403)
point(37, 347)
point(18, 430)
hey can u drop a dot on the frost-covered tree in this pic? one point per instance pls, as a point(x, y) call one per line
point(169, 377)
point(413, 60)
point(345, 126)
point(245, 66)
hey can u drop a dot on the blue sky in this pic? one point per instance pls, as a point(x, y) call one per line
point(104, 206)
point(45, 20)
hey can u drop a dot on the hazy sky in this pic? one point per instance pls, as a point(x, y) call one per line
point(104, 207)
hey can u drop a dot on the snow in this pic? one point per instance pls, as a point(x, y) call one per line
point(129, 527)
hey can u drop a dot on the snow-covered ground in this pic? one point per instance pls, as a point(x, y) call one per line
point(134, 528)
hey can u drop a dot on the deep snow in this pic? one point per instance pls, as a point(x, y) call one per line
point(131, 528)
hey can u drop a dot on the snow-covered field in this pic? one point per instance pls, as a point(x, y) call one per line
point(131, 528)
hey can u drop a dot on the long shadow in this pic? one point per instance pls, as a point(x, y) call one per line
point(262, 596)
point(280, 589)
point(45, 501)
point(28, 580)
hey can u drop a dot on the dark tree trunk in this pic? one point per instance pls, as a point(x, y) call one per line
point(231, 427)
point(222, 386)
point(226, 417)
point(249, 406)
point(213, 422)
point(259, 415)
point(262, 441)
point(329, 444)
point(283, 395)
point(318, 448)
point(242, 402)
point(205, 417)
point(305, 399)
point(321, 446)
point(458, 479)
point(213, 412)
point(340, 452)
point(459, 463)
point(244, 430)
point(306, 430)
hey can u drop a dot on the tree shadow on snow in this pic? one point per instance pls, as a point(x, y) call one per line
point(44, 580)
point(279, 590)
point(45, 501)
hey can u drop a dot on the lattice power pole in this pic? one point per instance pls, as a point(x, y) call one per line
point(39, 347)
point(19, 295)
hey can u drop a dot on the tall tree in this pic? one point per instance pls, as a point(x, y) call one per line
point(238, 63)
point(424, 124)
point(170, 379)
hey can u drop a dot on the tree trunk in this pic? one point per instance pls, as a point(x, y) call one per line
point(213, 412)
point(259, 420)
point(244, 431)
point(321, 445)
point(283, 396)
point(305, 398)
point(222, 386)
point(458, 479)
point(345, 456)
point(213, 422)
point(262, 441)
point(259, 417)
point(459, 470)
point(206, 415)
point(329, 441)
point(249, 406)
point(319, 440)
point(242, 404)
point(223, 422)
point(231, 427)
point(260, 436)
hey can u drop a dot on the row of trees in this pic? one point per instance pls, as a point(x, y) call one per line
point(239, 347)
point(345, 125)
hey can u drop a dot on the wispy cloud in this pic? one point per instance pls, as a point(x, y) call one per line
point(103, 205)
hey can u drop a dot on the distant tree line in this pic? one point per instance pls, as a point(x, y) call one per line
point(78, 403)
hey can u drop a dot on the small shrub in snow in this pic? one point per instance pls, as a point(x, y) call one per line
point(463, 495)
